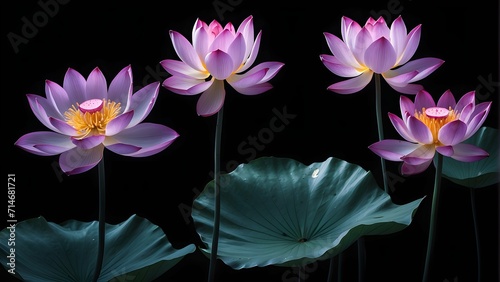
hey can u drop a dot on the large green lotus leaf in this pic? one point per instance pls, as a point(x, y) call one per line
point(481, 173)
point(277, 211)
point(135, 249)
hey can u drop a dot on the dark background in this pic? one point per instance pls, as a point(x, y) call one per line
point(113, 34)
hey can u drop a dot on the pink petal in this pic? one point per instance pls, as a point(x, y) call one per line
point(424, 66)
point(246, 28)
point(237, 51)
point(186, 86)
point(452, 133)
point(96, 87)
point(272, 69)
point(380, 56)
point(352, 85)
point(336, 67)
point(447, 100)
point(398, 35)
point(340, 50)
point(186, 51)
point(401, 128)
point(345, 23)
point(468, 153)
point(179, 68)
point(466, 113)
point(379, 29)
point(38, 106)
point(423, 100)
point(57, 96)
point(44, 143)
point(406, 105)
point(149, 137)
point(362, 42)
point(200, 40)
point(476, 122)
point(78, 160)
point(254, 76)
point(62, 127)
point(411, 89)
point(219, 64)
point(212, 99)
point(466, 99)
point(400, 79)
point(254, 89)
point(222, 41)
point(420, 155)
point(120, 88)
point(88, 142)
point(407, 169)
point(119, 123)
point(253, 53)
point(420, 131)
point(350, 30)
point(413, 40)
point(445, 150)
point(248, 79)
point(123, 149)
point(75, 84)
point(393, 150)
point(142, 102)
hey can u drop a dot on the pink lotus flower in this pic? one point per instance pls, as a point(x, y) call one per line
point(428, 127)
point(376, 48)
point(218, 54)
point(85, 117)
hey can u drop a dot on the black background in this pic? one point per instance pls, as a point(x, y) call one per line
point(113, 34)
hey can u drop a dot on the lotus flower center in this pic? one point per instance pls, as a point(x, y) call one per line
point(91, 117)
point(435, 118)
point(436, 112)
point(91, 106)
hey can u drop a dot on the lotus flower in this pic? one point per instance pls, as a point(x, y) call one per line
point(428, 128)
point(218, 54)
point(376, 48)
point(86, 116)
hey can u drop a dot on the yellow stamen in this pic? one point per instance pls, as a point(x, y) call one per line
point(434, 123)
point(91, 123)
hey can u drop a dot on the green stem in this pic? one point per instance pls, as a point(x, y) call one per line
point(434, 211)
point(102, 220)
point(361, 259)
point(331, 269)
point(339, 270)
point(380, 128)
point(476, 232)
point(215, 235)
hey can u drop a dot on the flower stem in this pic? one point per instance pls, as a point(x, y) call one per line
point(380, 128)
point(102, 220)
point(331, 269)
point(434, 210)
point(215, 235)
point(476, 232)
point(361, 259)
